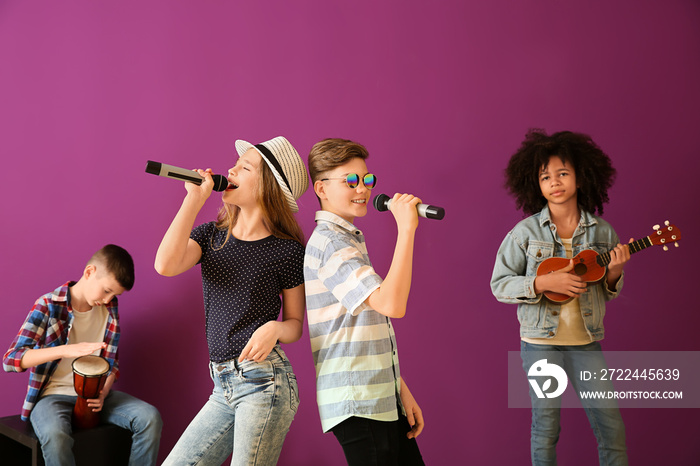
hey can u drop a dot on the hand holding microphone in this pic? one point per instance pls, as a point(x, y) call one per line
point(382, 203)
point(176, 173)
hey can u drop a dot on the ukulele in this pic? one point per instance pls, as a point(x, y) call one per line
point(591, 266)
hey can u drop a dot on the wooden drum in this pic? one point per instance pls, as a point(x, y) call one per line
point(89, 377)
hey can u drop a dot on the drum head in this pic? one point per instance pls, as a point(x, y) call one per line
point(90, 366)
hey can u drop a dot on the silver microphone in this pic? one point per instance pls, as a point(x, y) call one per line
point(382, 203)
point(190, 176)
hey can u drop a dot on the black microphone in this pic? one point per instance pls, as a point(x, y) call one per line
point(168, 171)
point(382, 203)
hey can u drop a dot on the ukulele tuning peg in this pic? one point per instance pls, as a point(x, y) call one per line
point(677, 245)
point(665, 248)
point(667, 223)
point(656, 227)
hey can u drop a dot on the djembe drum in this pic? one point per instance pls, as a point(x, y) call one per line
point(89, 377)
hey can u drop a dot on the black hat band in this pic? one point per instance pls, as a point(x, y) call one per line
point(271, 158)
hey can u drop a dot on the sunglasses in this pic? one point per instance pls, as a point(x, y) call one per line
point(353, 180)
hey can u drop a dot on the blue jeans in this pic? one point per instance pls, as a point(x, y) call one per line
point(606, 422)
point(248, 414)
point(51, 419)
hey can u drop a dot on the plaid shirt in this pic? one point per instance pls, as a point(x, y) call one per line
point(48, 325)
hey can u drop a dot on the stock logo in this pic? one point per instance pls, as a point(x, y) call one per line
point(543, 370)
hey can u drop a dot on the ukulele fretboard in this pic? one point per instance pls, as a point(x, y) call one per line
point(635, 246)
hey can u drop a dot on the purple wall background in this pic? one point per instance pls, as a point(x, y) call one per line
point(441, 93)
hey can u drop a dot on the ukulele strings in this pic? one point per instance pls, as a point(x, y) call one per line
point(635, 246)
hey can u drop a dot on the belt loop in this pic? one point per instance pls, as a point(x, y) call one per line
point(277, 349)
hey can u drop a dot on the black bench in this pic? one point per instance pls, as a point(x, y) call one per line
point(105, 445)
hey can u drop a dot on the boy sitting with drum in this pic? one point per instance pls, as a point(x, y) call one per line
point(76, 320)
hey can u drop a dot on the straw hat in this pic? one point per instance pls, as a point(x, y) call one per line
point(286, 165)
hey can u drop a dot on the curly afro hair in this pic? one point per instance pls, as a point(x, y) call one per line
point(594, 171)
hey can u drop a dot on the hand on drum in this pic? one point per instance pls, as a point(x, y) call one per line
point(96, 403)
point(82, 349)
point(92, 382)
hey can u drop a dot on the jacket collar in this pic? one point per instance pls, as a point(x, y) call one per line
point(587, 219)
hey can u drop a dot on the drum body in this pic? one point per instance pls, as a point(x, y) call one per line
point(89, 377)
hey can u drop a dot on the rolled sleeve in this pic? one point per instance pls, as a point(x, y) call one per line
point(30, 336)
point(12, 361)
point(608, 294)
point(346, 273)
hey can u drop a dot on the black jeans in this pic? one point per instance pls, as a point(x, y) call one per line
point(367, 442)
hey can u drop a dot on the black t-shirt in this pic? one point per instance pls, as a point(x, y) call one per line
point(242, 282)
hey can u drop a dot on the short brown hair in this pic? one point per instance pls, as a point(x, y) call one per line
point(118, 262)
point(331, 153)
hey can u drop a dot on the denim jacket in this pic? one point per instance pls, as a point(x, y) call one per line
point(530, 242)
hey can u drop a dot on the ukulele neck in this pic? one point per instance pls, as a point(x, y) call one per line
point(635, 246)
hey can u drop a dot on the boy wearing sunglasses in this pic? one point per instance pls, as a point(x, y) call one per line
point(361, 395)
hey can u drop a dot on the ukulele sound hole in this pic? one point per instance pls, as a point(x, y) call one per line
point(580, 269)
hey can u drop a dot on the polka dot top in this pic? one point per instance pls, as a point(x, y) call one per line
point(242, 282)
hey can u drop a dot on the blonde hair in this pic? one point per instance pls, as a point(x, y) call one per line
point(277, 215)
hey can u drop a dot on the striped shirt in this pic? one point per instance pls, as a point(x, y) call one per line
point(48, 325)
point(354, 346)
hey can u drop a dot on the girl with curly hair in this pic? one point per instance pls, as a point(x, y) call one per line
point(561, 181)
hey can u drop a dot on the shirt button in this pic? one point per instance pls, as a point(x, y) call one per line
point(555, 313)
point(551, 334)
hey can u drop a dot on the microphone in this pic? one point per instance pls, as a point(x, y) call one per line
point(168, 171)
point(382, 203)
